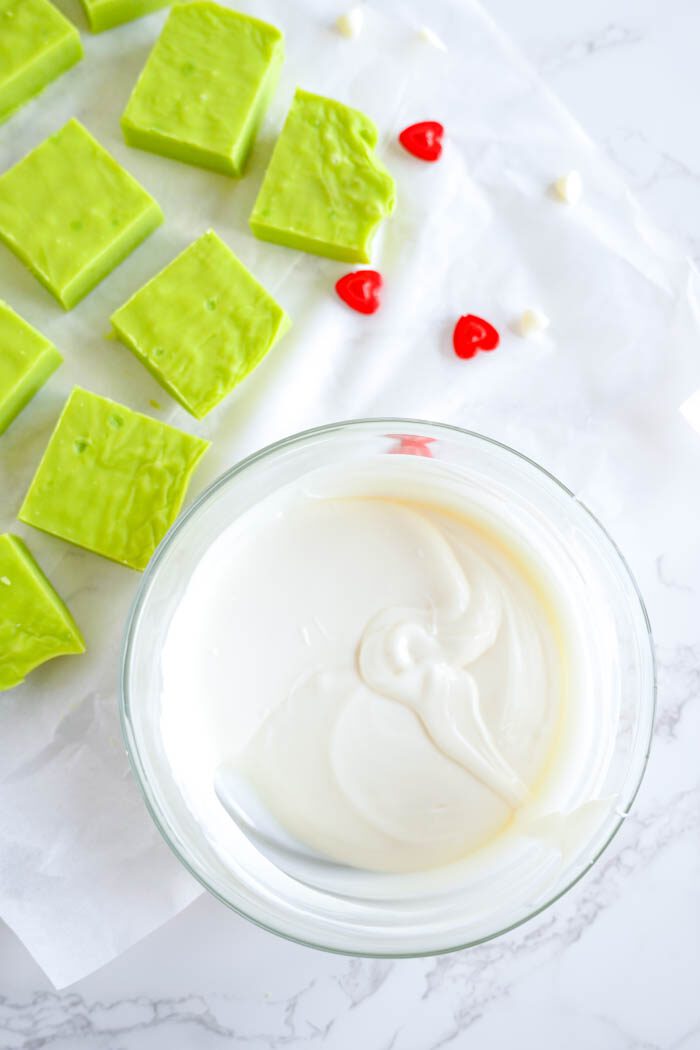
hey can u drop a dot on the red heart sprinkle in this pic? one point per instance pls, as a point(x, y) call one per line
point(423, 140)
point(360, 290)
point(412, 445)
point(472, 334)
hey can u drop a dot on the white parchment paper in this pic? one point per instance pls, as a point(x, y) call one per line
point(83, 873)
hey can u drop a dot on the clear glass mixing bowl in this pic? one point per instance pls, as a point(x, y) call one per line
point(454, 914)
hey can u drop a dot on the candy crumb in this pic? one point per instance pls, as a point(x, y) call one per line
point(429, 36)
point(350, 24)
point(531, 322)
point(569, 187)
point(5, 580)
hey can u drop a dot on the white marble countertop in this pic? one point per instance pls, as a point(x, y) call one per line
point(615, 964)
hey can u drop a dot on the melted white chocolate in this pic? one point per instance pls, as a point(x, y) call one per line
point(388, 671)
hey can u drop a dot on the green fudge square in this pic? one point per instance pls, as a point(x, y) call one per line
point(27, 359)
point(324, 190)
point(37, 44)
point(201, 325)
point(205, 88)
point(105, 14)
point(35, 625)
point(71, 213)
point(111, 480)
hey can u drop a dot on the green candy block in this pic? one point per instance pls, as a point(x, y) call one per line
point(205, 88)
point(201, 325)
point(111, 479)
point(37, 44)
point(35, 625)
point(71, 213)
point(324, 190)
point(105, 14)
point(27, 359)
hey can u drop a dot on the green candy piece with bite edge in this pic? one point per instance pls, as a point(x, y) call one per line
point(106, 14)
point(35, 625)
point(205, 88)
point(201, 325)
point(324, 190)
point(111, 480)
point(71, 213)
point(37, 45)
point(27, 359)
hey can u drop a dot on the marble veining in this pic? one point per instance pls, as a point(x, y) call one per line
point(678, 673)
point(614, 964)
point(452, 991)
point(666, 580)
point(578, 49)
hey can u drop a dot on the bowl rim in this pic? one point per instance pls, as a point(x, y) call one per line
point(142, 593)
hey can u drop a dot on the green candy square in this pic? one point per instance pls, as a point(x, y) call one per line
point(105, 14)
point(71, 213)
point(205, 88)
point(201, 325)
point(35, 625)
point(324, 190)
point(27, 359)
point(111, 480)
point(37, 45)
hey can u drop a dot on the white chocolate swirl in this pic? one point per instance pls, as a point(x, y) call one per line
point(385, 671)
point(420, 659)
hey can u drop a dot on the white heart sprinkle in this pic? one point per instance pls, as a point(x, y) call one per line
point(350, 24)
point(531, 322)
point(569, 187)
point(430, 37)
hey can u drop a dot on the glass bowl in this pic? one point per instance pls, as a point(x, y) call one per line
point(469, 906)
